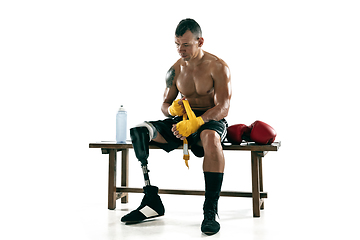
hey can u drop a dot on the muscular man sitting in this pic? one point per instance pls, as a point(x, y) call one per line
point(204, 81)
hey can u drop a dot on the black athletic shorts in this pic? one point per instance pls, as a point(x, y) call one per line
point(164, 128)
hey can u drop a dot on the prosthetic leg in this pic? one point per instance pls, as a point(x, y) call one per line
point(151, 206)
point(140, 139)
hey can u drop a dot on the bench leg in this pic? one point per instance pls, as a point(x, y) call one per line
point(112, 180)
point(261, 183)
point(255, 183)
point(125, 173)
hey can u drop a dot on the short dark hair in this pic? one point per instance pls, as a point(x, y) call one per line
point(188, 24)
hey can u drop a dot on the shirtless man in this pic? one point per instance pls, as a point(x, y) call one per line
point(204, 81)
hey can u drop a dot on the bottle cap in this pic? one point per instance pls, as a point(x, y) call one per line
point(122, 109)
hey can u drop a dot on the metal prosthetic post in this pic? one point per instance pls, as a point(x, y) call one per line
point(146, 175)
point(140, 140)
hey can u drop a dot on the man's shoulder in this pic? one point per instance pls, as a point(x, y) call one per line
point(176, 65)
point(218, 67)
point(214, 60)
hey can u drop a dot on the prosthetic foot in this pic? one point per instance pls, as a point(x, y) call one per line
point(151, 206)
point(213, 182)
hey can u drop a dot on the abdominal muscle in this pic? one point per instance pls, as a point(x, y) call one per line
point(201, 103)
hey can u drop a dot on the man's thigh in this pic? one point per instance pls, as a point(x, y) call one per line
point(159, 139)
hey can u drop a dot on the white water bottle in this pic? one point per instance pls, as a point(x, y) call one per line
point(121, 125)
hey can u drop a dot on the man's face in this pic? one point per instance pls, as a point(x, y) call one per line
point(187, 46)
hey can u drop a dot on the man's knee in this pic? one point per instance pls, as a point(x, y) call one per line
point(214, 158)
point(154, 135)
point(210, 141)
point(152, 130)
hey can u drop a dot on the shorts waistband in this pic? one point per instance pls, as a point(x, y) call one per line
point(198, 113)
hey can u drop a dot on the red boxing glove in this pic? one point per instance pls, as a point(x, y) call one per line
point(262, 133)
point(237, 133)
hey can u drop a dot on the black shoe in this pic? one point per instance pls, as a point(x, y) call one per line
point(209, 225)
point(151, 206)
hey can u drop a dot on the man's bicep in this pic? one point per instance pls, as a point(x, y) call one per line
point(170, 94)
point(170, 77)
point(222, 86)
point(171, 90)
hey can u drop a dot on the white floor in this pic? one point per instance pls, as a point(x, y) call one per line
point(182, 220)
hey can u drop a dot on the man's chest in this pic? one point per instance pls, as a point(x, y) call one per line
point(194, 81)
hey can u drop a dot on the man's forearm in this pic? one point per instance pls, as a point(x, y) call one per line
point(216, 113)
point(164, 109)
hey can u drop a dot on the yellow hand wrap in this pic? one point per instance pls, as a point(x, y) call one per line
point(185, 127)
point(188, 127)
point(186, 156)
point(176, 109)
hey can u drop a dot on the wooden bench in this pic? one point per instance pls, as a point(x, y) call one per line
point(114, 192)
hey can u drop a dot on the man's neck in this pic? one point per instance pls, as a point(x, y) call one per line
point(195, 61)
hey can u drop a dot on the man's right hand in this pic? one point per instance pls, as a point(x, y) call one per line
point(177, 108)
point(187, 127)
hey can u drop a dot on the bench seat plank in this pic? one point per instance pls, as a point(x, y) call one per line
point(250, 146)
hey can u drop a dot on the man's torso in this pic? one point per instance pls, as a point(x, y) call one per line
point(196, 82)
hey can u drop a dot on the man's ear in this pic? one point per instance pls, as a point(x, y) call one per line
point(200, 42)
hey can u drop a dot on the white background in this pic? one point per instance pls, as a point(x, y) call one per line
point(66, 66)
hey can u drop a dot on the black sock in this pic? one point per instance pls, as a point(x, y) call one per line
point(213, 182)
